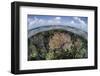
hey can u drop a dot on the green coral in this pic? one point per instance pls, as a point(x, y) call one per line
point(50, 55)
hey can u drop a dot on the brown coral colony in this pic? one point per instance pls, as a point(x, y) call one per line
point(60, 40)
